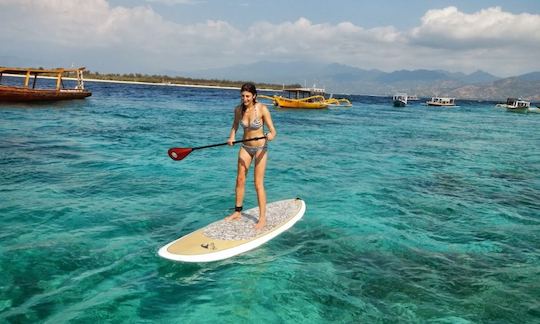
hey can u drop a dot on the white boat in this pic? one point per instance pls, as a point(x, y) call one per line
point(400, 100)
point(516, 104)
point(412, 98)
point(441, 102)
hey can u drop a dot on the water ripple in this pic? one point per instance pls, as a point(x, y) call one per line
point(413, 215)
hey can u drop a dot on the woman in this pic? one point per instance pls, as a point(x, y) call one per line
point(252, 115)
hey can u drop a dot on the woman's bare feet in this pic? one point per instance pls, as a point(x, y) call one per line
point(261, 224)
point(234, 216)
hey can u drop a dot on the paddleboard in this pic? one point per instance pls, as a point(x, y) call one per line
point(224, 239)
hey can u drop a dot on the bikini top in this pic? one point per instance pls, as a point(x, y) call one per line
point(256, 123)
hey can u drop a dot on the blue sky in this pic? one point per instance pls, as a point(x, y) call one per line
point(153, 36)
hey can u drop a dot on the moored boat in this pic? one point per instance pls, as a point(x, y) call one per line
point(441, 102)
point(306, 98)
point(400, 100)
point(26, 93)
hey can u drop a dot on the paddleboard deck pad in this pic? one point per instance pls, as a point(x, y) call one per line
point(224, 239)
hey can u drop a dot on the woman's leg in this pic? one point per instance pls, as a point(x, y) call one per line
point(244, 160)
point(260, 168)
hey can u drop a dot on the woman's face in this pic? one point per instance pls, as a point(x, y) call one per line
point(247, 97)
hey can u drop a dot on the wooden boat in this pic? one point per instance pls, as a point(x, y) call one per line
point(306, 98)
point(516, 105)
point(400, 100)
point(26, 93)
point(442, 102)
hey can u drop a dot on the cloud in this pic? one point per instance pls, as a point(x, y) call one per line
point(138, 39)
point(175, 2)
point(488, 28)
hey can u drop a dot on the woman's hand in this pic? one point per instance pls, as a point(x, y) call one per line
point(269, 136)
point(230, 141)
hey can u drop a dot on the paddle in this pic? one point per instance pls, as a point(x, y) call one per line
point(179, 153)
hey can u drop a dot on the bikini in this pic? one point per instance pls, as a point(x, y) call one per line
point(255, 124)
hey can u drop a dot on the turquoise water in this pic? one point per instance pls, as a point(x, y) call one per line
point(414, 214)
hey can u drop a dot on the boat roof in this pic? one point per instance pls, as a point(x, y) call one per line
point(35, 71)
point(317, 90)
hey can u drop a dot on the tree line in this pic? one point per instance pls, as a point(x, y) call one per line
point(157, 78)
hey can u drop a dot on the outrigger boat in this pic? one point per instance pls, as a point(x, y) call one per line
point(27, 93)
point(306, 98)
point(441, 102)
point(517, 105)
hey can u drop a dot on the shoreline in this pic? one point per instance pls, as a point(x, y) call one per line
point(200, 86)
point(173, 84)
point(147, 83)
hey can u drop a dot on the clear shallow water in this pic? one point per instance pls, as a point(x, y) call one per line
point(415, 214)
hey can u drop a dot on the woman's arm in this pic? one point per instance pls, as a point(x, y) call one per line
point(234, 127)
point(269, 124)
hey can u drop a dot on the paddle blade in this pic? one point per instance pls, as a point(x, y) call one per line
point(177, 153)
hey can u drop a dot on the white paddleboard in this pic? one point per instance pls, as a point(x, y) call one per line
point(224, 239)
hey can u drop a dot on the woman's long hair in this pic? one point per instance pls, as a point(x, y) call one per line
point(249, 87)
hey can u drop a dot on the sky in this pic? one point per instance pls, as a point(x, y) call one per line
point(166, 36)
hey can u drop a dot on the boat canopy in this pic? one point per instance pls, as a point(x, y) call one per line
point(300, 93)
point(58, 73)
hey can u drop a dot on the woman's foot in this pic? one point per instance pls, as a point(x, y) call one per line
point(234, 216)
point(261, 224)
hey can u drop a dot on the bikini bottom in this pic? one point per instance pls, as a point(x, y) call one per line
point(252, 150)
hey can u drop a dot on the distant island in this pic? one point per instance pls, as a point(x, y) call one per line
point(345, 79)
point(178, 80)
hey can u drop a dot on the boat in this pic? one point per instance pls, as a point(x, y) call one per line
point(412, 98)
point(306, 98)
point(400, 100)
point(441, 102)
point(516, 105)
point(27, 93)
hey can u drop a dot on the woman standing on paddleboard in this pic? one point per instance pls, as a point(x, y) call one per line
point(252, 115)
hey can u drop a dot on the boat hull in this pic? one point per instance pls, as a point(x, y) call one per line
point(517, 109)
point(299, 104)
point(399, 103)
point(436, 104)
point(18, 94)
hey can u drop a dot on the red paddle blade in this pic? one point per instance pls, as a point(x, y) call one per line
point(177, 153)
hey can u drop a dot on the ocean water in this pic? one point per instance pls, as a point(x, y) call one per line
point(414, 214)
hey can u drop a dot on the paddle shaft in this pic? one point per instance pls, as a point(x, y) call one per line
point(220, 144)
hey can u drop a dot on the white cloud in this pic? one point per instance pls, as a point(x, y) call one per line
point(175, 2)
point(138, 39)
point(488, 28)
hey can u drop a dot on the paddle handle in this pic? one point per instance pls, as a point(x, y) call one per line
point(235, 142)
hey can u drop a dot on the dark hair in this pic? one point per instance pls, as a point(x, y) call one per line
point(249, 87)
